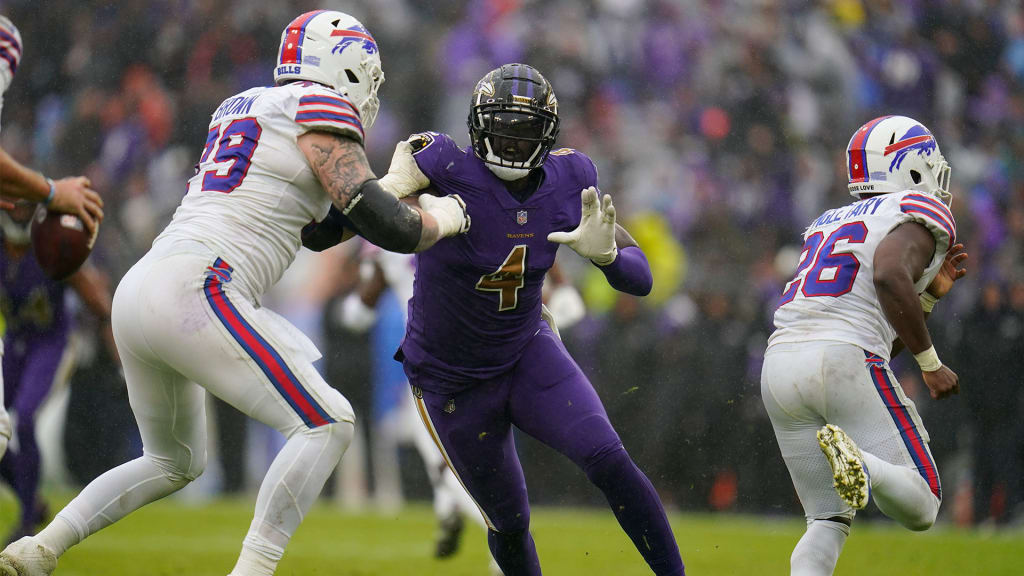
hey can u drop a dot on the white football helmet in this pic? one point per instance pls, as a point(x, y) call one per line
point(334, 49)
point(895, 154)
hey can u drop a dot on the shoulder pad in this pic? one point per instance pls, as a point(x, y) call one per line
point(321, 108)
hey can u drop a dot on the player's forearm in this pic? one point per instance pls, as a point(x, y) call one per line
point(899, 300)
point(20, 182)
point(329, 232)
point(630, 272)
point(388, 222)
point(90, 287)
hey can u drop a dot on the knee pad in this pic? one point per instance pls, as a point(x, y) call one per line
point(340, 433)
point(185, 466)
point(606, 463)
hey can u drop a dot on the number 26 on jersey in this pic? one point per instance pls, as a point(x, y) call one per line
point(831, 273)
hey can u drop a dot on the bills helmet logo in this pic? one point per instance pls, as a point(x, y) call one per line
point(521, 217)
point(916, 139)
point(354, 34)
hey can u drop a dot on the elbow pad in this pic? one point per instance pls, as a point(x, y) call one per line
point(383, 219)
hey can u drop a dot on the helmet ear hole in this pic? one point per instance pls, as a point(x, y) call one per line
point(915, 176)
point(351, 76)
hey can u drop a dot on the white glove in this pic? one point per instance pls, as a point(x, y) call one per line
point(449, 211)
point(594, 238)
point(404, 176)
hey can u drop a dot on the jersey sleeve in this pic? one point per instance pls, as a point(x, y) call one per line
point(433, 151)
point(933, 215)
point(582, 173)
point(320, 108)
point(10, 52)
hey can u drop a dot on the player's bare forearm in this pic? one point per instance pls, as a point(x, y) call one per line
point(17, 181)
point(900, 260)
point(339, 163)
point(93, 289)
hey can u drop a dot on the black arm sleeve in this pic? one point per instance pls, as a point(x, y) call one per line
point(319, 236)
point(383, 219)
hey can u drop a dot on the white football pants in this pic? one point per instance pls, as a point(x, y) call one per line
point(182, 329)
point(806, 385)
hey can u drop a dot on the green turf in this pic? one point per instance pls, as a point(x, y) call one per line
point(174, 538)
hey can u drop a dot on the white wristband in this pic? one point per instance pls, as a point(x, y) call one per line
point(927, 301)
point(928, 360)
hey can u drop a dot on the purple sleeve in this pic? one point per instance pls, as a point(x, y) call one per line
point(630, 272)
point(433, 151)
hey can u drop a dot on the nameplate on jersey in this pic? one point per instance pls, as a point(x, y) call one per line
point(867, 206)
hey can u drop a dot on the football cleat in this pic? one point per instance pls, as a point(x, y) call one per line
point(449, 536)
point(849, 475)
point(27, 557)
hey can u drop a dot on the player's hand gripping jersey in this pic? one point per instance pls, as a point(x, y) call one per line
point(253, 190)
point(833, 294)
point(478, 295)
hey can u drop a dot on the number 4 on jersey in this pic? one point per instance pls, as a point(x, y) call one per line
point(507, 279)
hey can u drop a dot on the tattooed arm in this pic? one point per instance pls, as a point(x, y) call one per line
point(341, 166)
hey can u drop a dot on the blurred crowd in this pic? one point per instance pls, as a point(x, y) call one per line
point(720, 127)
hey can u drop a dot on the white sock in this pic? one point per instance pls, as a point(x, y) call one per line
point(290, 488)
point(818, 550)
point(106, 500)
point(901, 493)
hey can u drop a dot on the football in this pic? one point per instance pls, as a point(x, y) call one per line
point(61, 243)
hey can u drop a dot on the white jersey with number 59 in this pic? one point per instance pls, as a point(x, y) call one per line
point(833, 294)
point(254, 190)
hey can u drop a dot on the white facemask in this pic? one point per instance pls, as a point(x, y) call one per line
point(506, 173)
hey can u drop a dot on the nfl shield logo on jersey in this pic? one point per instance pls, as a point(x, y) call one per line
point(521, 217)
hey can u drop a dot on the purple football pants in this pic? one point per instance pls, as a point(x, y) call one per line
point(28, 378)
point(546, 396)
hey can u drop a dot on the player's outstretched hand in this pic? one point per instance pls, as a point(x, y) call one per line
point(954, 267)
point(404, 176)
point(73, 196)
point(594, 238)
point(942, 382)
point(449, 211)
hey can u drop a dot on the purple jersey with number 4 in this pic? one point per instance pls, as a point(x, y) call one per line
point(477, 296)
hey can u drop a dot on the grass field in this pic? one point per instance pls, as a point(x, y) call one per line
point(173, 538)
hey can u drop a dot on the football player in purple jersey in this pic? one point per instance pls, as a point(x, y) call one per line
point(36, 336)
point(478, 354)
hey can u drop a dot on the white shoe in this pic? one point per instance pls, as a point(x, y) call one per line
point(849, 475)
point(27, 557)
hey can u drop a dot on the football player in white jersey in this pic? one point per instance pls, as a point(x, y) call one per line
point(71, 195)
point(187, 317)
point(869, 274)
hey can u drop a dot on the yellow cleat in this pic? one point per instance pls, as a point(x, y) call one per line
point(849, 476)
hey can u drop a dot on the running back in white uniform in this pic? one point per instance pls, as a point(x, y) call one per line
point(253, 190)
point(827, 362)
point(833, 294)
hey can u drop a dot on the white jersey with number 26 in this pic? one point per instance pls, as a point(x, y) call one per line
point(253, 190)
point(833, 294)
